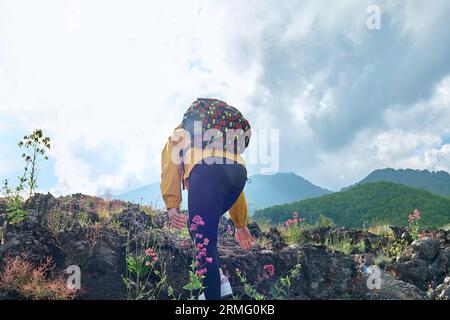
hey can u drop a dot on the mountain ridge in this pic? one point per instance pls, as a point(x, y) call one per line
point(437, 182)
point(261, 191)
point(379, 202)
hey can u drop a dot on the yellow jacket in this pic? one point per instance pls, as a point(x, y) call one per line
point(172, 171)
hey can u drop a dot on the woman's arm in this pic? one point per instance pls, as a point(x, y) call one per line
point(239, 212)
point(170, 177)
point(239, 215)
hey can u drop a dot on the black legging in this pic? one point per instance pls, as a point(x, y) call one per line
point(213, 189)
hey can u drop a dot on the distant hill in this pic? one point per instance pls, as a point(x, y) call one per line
point(268, 190)
point(381, 202)
point(148, 195)
point(437, 182)
point(263, 191)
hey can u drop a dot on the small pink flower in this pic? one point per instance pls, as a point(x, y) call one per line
point(154, 259)
point(209, 260)
point(198, 220)
point(206, 241)
point(269, 269)
point(150, 252)
point(295, 215)
point(147, 263)
point(201, 272)
point(295, 221)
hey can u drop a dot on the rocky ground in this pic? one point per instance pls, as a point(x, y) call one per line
point(99, 235)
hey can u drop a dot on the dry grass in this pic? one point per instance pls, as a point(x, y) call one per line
point(19, 275)
point(381, 230)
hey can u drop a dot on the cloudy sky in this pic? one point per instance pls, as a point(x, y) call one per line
point(109, 80)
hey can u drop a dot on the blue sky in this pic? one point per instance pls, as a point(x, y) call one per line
point(109, 80)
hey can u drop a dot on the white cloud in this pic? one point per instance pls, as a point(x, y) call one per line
point(113, 84)
point(439, 159)
point(410, 137)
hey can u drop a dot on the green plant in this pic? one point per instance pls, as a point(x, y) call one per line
point(198, 266)
point(249, 289)
point(14, 202)
point(148, 210)
point(283, 288)
point(339, 244)
point(294, 229)
point(381, 259)
point(195, 282)
point(324, 221)
point(182, 233)
point(92, 234)
point(414, 224)
point(117, 226)
point(141, 264)
point(58, 221)
point(361, 246)
point(102, 209)
point(35, 147)
point(163, 283)
point(381, 230)
point(83, 219)
point(395, 248)
point(430, 289)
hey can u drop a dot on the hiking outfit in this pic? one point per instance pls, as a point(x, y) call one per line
point(214, 177)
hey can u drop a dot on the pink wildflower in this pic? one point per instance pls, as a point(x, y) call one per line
point(201, 272)
point(150, 252)
point(415, 216)
point(269, 269)
point(198, 220)
point(209, 260)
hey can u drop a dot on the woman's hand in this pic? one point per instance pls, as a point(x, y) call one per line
point(244, 238)
point(176, 219)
